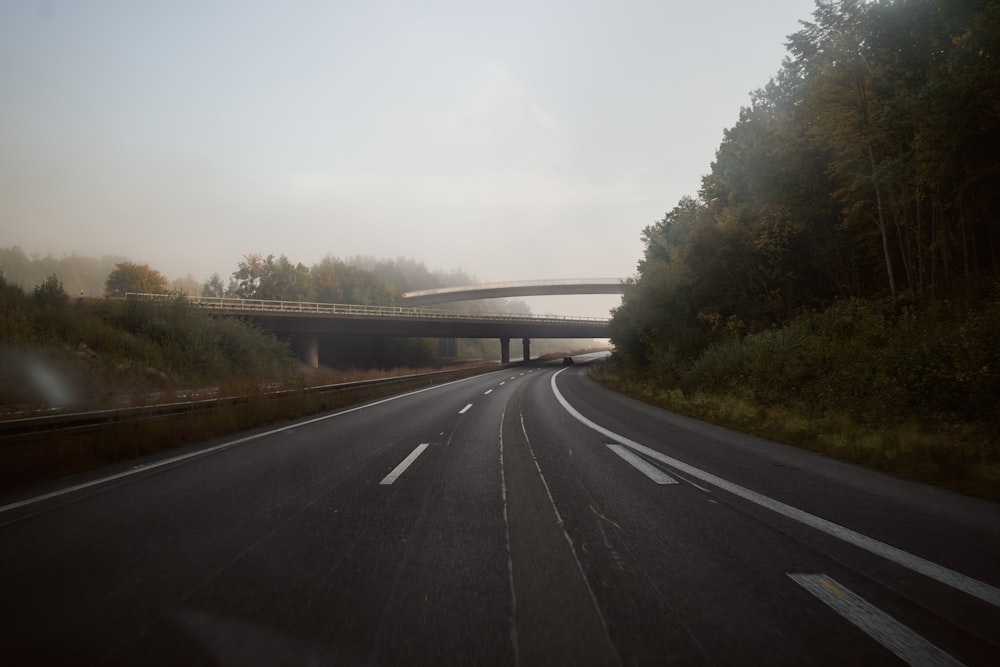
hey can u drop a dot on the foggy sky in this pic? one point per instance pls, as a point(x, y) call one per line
point(511, 140)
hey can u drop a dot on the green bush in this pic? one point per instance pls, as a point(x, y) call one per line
point(870, 360)
point(115, 347)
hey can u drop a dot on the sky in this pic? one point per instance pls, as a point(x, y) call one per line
point(510, 140)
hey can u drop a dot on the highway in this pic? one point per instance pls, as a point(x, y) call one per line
point(522, 517)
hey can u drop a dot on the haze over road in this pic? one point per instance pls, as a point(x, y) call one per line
point(526, 516)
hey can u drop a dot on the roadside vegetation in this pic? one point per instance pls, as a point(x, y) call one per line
point(836, 282)
point(906, 389)
point(357, 280)
point(70, 353)
point(60, 351)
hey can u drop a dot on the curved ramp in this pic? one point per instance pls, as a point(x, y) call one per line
point(514, 288)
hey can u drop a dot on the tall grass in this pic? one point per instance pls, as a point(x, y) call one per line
point(100, 350)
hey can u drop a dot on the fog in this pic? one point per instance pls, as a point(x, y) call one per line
point(513, 141)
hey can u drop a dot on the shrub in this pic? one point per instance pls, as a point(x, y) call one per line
point(50, 293)
point(874, 361)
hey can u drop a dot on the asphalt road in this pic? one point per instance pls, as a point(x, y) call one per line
point(522, 517)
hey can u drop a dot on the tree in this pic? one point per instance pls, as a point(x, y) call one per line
point(260, 277)
point(326, 278)
point(903, 95)
point(213, 286)
point(838, 53)
point(366, 287)
point(128, 277)
point(50, 292)
point(76, 272)
point(339, 282)
point(186, 285)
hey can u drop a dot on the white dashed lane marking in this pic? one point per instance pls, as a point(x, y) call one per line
point(908, 646)
point(642, 465)
point(406, 463)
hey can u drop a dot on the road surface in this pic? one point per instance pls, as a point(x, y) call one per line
point(525, 517)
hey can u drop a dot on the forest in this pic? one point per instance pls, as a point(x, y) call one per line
point(834, 282)
point(360, 280)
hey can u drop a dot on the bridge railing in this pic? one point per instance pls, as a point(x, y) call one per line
point(233, 304)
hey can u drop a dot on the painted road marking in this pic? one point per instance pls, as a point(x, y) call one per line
point(216, 448)
point(685, 479)
point(465, 409)
point(487, 392)
point(642, 465)
point(401, 468)
point(887, 631)
point(503, 383)
point(939, 573)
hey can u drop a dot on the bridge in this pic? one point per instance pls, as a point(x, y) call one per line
point(306, 322)
point(514, 288)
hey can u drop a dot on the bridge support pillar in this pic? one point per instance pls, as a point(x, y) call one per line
point(526, 347)
point(307, 346)
point(505, 350)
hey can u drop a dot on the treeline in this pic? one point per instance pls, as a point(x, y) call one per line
point(868, 167)
point(331, 280)
point(355, 280)
point(76, 272)
point(834, 284)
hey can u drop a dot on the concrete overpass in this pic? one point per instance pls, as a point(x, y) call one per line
point(305, 322)
point(515, 288)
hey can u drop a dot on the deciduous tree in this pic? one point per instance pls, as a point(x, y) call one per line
point(138, 278)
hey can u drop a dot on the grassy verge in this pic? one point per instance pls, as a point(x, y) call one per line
point(959, 457)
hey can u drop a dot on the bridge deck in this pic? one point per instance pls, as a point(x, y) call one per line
point(298, 316)
point(515, 288)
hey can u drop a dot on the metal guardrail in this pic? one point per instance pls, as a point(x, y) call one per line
point(251, 306)
point(66, 421)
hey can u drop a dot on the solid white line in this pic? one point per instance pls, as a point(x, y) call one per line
point(642, 465)
point(939, 573)
point(401, 468)
point(216, 448)
point(887, 631)
point(465, 409)
point(487, 392)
